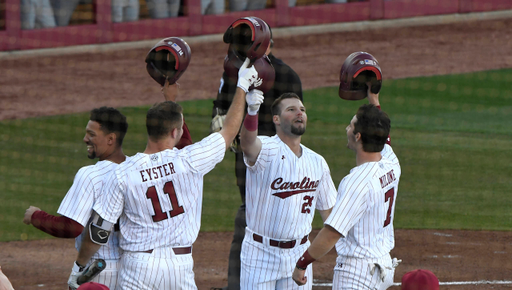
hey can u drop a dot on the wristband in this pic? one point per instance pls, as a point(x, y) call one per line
point(77, 267)
point(251, 122)
point(304, 261)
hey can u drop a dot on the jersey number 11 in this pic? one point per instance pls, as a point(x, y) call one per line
point(159, 214)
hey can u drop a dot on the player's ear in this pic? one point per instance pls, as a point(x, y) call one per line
point(275, 119)
point(111, 138)
point(357, 136)
point(174, 133)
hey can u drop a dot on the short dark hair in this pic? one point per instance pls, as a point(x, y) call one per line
point(276, 108)
point(374, 126)
point(111, 121)
point(162, 118)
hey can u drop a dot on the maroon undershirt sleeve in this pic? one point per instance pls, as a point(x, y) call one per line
point(57, 226)
point(186, 139)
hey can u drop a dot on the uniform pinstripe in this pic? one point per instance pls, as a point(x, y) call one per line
point(364, 214)
point(158, 198)
point(77, 205)
point(282, 193)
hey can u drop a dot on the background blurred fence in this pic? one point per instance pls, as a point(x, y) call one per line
point(92, 22)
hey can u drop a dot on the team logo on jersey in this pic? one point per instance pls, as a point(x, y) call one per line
point(287, 189)
point(154, 157)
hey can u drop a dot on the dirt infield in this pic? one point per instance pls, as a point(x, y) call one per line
point(37, 86)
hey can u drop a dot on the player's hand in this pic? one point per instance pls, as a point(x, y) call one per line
point(27, 219)
point(298, 276)
point(170, 92)
point(246, 76)
point(254, 99)
point(372, 98)
point(75, 272)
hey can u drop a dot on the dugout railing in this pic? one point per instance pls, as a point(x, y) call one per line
point(192, 23)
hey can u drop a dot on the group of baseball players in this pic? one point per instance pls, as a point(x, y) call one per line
point(142, 214)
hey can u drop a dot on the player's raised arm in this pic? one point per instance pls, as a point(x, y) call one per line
point(246, 77)
point(171, 92)
point(251, 145)
point(373, 98)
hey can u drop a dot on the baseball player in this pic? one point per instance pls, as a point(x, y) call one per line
point(286, 81)
point(104, 136)
point(157, 195)
point(361, 222)
point(285, 183)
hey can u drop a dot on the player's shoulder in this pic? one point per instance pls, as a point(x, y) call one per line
point(388, 154)
point(310, 152)
point(91, 169)
point(132, 160)
point(267, 140)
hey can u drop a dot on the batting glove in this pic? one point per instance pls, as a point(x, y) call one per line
point(254, 99)
point(75, 272)
point(246, 76)
point(382, 270)
point(395, 262)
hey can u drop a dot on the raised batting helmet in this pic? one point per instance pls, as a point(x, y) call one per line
point(168, 60)
point(265, 69)
point(248, 37)
point(358, 69)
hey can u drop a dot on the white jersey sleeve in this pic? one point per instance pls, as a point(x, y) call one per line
point(326, 189)
point(111, 201)
point(79, 200)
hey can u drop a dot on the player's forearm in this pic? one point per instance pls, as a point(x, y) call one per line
point(60, 227)
point(87, 249)
point(234, 117)
point(325, 213)
point(324, 242)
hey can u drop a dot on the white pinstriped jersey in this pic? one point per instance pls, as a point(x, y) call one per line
point(158, 197)
point(78, 202)
point(365, 208)
point(283, 190)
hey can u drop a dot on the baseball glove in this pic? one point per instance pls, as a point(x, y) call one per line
point(216, 125)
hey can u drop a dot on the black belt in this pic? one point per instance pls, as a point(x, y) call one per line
point(177, 251)
point(280, 244)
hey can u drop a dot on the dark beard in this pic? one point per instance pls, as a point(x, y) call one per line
point(298, 131)
point(92, 155)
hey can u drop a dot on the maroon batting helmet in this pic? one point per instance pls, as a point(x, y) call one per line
point(248, 37)
point(265, 69)
point(168, 60)
point(358, 69)
point(420, 279)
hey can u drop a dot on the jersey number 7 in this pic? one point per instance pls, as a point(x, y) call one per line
point(153, 196)
point(390, 195)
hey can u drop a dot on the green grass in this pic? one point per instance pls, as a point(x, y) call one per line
point(452, 134)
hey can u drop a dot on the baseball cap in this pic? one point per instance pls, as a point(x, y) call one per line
point(92, 286)
point(420, 279)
